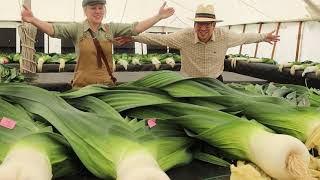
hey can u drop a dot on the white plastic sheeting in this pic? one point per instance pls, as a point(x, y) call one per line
point(285, 50)
point(117, 10)
point(231, 11)
point(265, 49)
point(289, 34)
point(253, 11)
point(310, 42)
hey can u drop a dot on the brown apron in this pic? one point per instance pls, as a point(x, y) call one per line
point(87, 70)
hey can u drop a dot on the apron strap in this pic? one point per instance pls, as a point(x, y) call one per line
point(100, 54)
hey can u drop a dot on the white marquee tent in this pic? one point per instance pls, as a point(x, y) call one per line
point(297, 21)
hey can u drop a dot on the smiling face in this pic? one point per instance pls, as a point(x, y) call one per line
point(95, 13)
point(204, 30)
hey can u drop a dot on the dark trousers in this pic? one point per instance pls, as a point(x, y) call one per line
point(220, 78)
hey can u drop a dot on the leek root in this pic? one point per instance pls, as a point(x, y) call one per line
point(313, 140)
point(248, 172)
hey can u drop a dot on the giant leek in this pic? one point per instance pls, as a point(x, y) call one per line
point(29, 142)
point(302, 123)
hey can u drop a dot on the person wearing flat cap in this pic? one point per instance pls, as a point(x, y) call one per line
point(93, 40)
point(203, 48)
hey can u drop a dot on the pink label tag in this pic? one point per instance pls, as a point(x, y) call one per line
point(152, 123)
point(7, 123)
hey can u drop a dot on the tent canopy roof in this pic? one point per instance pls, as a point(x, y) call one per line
point(231, 11)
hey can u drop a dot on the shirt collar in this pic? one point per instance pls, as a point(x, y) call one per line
point(86, 26)
point(196, 39)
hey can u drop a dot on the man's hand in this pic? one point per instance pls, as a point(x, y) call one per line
point(26, 14)
point(272, 38)
point(122, 40)
point(165, 12)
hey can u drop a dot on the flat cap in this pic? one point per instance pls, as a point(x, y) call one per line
point(92, 2)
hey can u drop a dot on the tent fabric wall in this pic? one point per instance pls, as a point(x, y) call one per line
point(253, 11)
point(285, 50)
point(231, 11)
point(117, 10)
point(310, 42)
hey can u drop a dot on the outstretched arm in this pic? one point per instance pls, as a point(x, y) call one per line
point(172, 40)
point(235, 39)
point(27, 16)
point(162, 14)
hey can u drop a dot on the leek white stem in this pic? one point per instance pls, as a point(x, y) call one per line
point(289, 158)
point(114, 66)
point(62, 65)
point(40, 64)
point(309, 69)
point(136, 61)
point(254, 60)
point(25, 164)
point(140, 167)
point(294, 68)
point(233, 63)
point(124, 63)
point(171, 62)
point(156, 62)
point(281, 66)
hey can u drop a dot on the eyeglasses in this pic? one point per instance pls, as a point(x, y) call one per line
point(205, 24)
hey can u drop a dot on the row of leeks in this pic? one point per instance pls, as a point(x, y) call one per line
point(53, 58)
point(238, 138)
point(154, 59)
point(31, 142)
point(108, 145)
point(244, 57)
point(305, 66)
point(41, 58)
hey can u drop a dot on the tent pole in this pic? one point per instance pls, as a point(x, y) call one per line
point(275, 44)
point(257, 44)
point(243, 31)
point(142, 48)
point(298, 42)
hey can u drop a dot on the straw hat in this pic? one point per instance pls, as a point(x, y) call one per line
point(205, 13)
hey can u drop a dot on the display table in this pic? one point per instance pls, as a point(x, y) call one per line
point(62, 81)
point(270, 72)
point(50, 68)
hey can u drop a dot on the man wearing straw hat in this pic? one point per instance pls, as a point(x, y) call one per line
point(203, 48)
